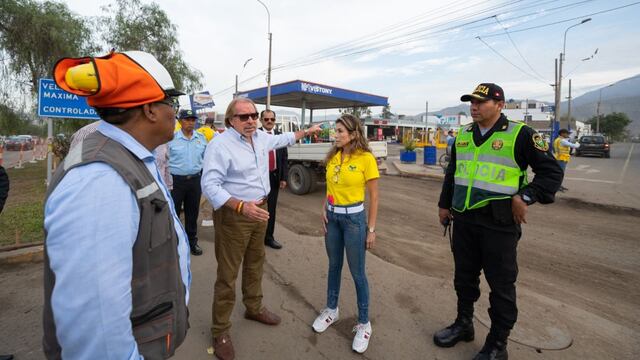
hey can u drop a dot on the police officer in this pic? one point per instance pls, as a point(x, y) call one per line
point(186, 152)
point(486, 195)
point(562, 151)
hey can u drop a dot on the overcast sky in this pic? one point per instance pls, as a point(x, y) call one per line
point(436, 56)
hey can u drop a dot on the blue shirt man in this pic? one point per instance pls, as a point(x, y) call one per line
point(186, 152)
point(236, 182)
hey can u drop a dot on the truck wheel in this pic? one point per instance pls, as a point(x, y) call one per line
point(299, 179)
point(313, 180)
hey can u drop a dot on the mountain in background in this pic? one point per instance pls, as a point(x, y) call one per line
point(622, 96)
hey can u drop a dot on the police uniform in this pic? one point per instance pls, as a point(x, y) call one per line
point(185, 164)
point(485, 172)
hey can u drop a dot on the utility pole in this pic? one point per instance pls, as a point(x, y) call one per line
point(556, 112)
point(569, 108)
point(235, 94)
point(426, 120)
point(269, 68)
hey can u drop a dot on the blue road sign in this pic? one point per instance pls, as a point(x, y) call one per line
point(55, 102)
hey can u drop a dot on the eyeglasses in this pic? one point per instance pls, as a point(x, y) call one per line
point(245, 117)
point(336, 172)
point(268, 119)
point(171, 102)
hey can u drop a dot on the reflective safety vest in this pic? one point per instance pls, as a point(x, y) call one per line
point(561, 152)
point(486, 172)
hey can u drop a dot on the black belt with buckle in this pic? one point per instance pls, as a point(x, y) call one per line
point(187, 177)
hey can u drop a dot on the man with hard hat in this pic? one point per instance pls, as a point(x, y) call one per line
point(186, 151)
point(116, 269)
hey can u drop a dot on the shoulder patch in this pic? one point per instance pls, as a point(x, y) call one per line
point(539, 143)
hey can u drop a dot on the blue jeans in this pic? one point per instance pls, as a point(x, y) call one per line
point(563, 165)
point(347, 231)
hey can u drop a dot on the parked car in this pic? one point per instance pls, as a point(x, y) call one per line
point(594, 145)
point(15, 143)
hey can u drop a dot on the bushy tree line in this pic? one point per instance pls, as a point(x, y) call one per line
point(34, 34)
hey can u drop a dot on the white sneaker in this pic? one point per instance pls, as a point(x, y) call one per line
point(361, 340)
point(325, 319)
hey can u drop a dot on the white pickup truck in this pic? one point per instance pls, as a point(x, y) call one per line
point(306, 164)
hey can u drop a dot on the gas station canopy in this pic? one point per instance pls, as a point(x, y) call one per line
point(307, 95)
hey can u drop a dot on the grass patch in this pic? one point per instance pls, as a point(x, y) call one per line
point(23, 216)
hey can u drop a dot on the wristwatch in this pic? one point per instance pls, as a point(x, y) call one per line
point(527, 200)
point(372, 229)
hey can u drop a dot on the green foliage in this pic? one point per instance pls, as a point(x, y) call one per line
point(409, 144)
point(22, 216)
point(18, 123)
point(33, 35)
point(612, 125)
point(146, 27)
point(356, 111)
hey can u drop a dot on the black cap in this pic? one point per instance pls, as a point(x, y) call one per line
point(187, 114)
point(484, 92)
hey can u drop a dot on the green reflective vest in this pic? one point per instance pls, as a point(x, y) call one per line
point(486, 172)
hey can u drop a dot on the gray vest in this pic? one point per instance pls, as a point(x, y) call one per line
point(159, 313)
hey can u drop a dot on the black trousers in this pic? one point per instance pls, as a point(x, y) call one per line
point(187, 191)
point(477, 248)
point(272, 201)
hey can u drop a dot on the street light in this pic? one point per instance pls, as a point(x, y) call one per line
point(241, 71)
point(598, 109)
point(269, 68)
point(559, 79)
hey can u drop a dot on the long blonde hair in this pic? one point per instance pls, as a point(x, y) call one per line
point(353, 126)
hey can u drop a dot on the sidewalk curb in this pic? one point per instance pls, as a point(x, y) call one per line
point(578, 202)
point(32, 254)
point(411, 174)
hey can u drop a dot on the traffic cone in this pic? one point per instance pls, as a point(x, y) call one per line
point(19, 166)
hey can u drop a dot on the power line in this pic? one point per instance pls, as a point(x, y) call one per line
point(540, 77)
point(509, 61)
point(567, 20)
point(386, 44)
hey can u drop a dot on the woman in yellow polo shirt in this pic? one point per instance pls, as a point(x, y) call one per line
point(351, 168)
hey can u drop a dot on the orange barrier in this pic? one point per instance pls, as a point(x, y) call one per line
point(33, 153)
point(19, 166)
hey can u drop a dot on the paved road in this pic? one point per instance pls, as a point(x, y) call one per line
point(610, 181)
point(590, 179)
point(11, 158)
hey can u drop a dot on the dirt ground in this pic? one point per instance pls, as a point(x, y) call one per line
point(578, 287)
point(582, 259)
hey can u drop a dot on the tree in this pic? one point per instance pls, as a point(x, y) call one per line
point(357, 111)
point(146, 27)
point(386, 112)
point(33, 35)
point(613, 124)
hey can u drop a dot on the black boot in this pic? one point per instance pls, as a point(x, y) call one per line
point(273, 243)
point(461, 329)
point(196, 250)
point(493, 350)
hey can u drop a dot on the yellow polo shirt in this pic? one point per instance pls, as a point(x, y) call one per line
point(346, 181)
point(207, 132)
